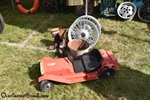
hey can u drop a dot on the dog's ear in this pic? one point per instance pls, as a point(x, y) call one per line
point(55, 29)
point(62, 32)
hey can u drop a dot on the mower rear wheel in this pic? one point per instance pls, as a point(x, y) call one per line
point(107, 72)
point(46, 85)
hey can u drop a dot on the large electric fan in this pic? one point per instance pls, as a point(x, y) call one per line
point(85, 28)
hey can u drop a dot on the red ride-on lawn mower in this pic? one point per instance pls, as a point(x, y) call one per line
point(90, 66)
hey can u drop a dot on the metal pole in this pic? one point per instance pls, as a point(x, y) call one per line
point(86, 7)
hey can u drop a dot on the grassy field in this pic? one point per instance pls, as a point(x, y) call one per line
point(26, 37)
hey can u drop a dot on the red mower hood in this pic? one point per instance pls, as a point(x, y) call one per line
point(57, 66)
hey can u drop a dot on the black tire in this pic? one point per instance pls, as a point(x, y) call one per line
point(107, 72)
point(49, 6)
point(1, 23)
point(64, 8)
point(144, 12)
point(46, 85)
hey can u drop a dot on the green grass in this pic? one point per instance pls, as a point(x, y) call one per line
point(128, 40)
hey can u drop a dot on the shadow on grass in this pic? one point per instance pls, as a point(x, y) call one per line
point(126, 84)
point(111, 32)
point(34, 74)
point(47, 42)
point(148, 26)
point(33, 21)
point(135, 38)
point(38, 21)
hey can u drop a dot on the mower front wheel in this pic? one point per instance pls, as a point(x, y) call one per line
point(107, 72)
point(46, 85)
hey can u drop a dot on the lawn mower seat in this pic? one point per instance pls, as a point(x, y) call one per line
point(92, 60)
point(77, 64)
point(89, 62)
